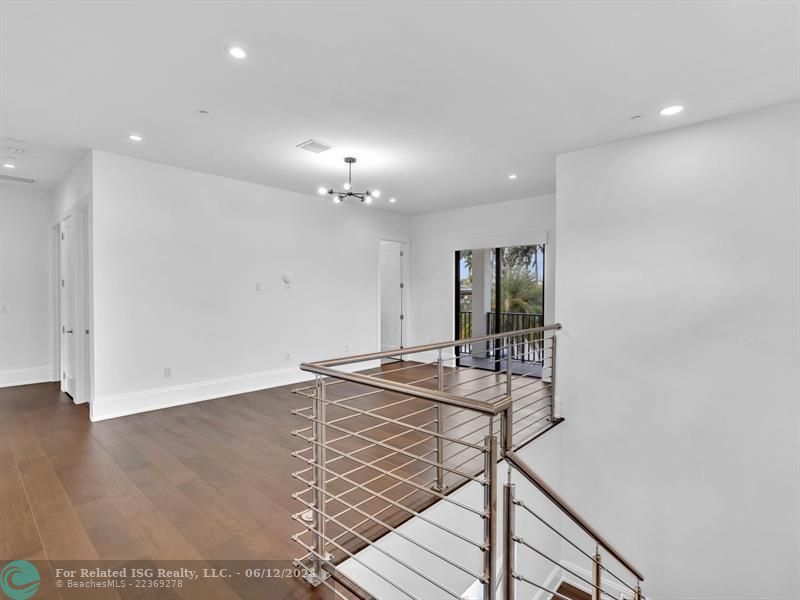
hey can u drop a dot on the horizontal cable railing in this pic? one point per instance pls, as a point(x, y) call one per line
point(594, 579)
point(384, 446)
point(525, 347)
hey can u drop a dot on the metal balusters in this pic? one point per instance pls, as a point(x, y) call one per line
point(509, 548)
point(597, 575)
point(490, 515)
point(317, 574)
point(385, 467)
point(509, 375)
point(553, 346)
point(440, 425)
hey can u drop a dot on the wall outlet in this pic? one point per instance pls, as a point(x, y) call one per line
point(259, 286)
point(167, 371)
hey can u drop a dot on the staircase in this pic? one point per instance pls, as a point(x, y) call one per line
point(404, 466)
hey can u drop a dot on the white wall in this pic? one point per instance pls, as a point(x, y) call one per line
point(437, 235)
point(72, 197)
point(74, 191)
point(25, 286)
point(678, 265)
point(177, 256)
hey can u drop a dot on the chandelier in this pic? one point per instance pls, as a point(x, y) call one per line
point(365, 197)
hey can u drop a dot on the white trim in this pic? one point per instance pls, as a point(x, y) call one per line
point(12, 377)
point(406, 296)
point(500, 240)
point(120, 405)
point(552, 582)
point(619, 590)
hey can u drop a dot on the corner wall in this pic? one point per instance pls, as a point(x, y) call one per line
point(177, 258)
point(25, 286)
point(437, 235)
point(678, 266)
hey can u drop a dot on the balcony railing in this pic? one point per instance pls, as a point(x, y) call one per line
point(525, 347)
point(380, 452)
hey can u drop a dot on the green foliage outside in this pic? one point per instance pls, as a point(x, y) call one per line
point(522, 290)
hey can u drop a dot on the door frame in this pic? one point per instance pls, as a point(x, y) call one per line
point(404, 294)
point(81, 269)
point(497, 251)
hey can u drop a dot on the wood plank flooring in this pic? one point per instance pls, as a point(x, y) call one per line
point(203, 482)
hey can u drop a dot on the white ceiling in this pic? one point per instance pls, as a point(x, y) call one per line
point(439, 101)
point(47, 165)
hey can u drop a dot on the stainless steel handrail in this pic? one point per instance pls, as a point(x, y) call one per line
point(564, 506)
point(489, 408)
point(346, 360)
point(522, 416)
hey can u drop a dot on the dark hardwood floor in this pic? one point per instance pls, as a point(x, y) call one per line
point(203, 482)
point(206, 483)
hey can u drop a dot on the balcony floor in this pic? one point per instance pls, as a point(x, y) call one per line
point(518, 367)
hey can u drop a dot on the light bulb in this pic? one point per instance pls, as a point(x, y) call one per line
point(135, 138)
point(322, 191)
point(671, 110)
point(368, 199)
point(392, 200)
point(237, 52)
point(346, 187)
point(10, 166)
point(337, 199)
point(376, 194)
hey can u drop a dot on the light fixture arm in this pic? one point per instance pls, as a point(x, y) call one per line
point(349, 193)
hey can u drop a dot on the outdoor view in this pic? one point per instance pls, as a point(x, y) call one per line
point(521, 285)
point(521, 297)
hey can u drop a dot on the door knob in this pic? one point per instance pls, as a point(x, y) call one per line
point(65, 330)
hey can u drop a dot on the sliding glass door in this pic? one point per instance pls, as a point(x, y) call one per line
point(500, 290)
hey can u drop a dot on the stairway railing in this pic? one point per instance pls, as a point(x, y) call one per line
point(386, 445)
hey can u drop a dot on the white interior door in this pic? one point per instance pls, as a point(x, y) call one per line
point(67, 270)
point(392, 295)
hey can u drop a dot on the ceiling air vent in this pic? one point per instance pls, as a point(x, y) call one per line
point(16, 179)
point(315, 146)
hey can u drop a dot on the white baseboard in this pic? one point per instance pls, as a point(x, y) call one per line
point(120, 405)
point(11, 377)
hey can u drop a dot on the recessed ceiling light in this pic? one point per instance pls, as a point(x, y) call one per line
point(237, 52)
point(392, 200)
point(512, 176)
point(9, 165)
point(135, 138)
point(668, 111)
point(322, 191)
